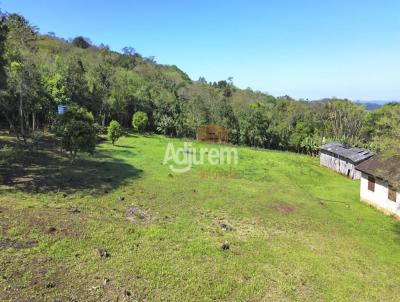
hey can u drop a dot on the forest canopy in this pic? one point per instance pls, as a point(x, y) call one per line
point(39, 72)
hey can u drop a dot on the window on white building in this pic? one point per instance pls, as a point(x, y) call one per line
point(371, 183)
point(392, 195)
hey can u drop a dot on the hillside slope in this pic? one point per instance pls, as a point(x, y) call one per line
point(296, 231)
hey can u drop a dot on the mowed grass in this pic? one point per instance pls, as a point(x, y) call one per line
point(296, 231)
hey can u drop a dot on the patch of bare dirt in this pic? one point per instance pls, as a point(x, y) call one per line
point(16, 244)
point(54, 221)
point(137, 214)
point(283, 208)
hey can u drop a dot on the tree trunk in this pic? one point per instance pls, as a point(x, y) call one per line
point(27, 122)
point(21, 113)
point(12, 126)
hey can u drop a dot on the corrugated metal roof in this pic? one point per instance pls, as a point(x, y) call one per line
point(356, 155)
point(386, 168)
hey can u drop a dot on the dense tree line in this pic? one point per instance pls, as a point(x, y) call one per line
point(39, 72)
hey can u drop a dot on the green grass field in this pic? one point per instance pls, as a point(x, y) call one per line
point(296, 231)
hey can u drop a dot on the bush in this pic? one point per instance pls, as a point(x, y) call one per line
point(114, 131)
point(139, 121)
point(81, 42)
point(77, 130)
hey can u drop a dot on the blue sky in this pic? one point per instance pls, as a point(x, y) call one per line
point(306, 49)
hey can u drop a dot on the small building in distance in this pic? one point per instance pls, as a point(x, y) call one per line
point(343, 159)
point(212, 133)
point(380, 183)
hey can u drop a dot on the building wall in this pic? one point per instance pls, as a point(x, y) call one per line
point(339, 165)
point(379, 198)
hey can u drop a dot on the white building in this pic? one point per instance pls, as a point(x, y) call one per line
point(343, 159)
point(380, 183)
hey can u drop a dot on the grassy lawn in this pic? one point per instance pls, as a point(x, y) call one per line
point(295, 231)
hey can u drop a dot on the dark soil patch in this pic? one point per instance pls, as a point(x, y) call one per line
point(16, 244)
point(225, 246)
point(51, 230)
point(52, 221)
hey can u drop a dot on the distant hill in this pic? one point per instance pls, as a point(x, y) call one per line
point(372, 105)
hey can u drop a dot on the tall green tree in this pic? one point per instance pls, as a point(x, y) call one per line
point(3, 62)
point(382, 128)
point(254, 126)
point(22, 72)
point(100, 80)
point(343, 120)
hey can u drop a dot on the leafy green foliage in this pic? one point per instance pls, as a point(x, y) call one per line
point(44, 71)
point(254, 127)
point(24, 85)
point(344, 120)
point(114, 131)
point(77, 130)
point(383, 128)
point(80, 42)
point(139, 121)
point(3, 62)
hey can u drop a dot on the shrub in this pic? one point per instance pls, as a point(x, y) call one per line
point(81, 42)
point(139, 121)
point(77, 130)
point(114, 131)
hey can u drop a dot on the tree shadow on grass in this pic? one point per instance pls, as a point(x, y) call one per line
point(129, 134)
point(47, 170)
point(124, 146)
point(137, 134)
